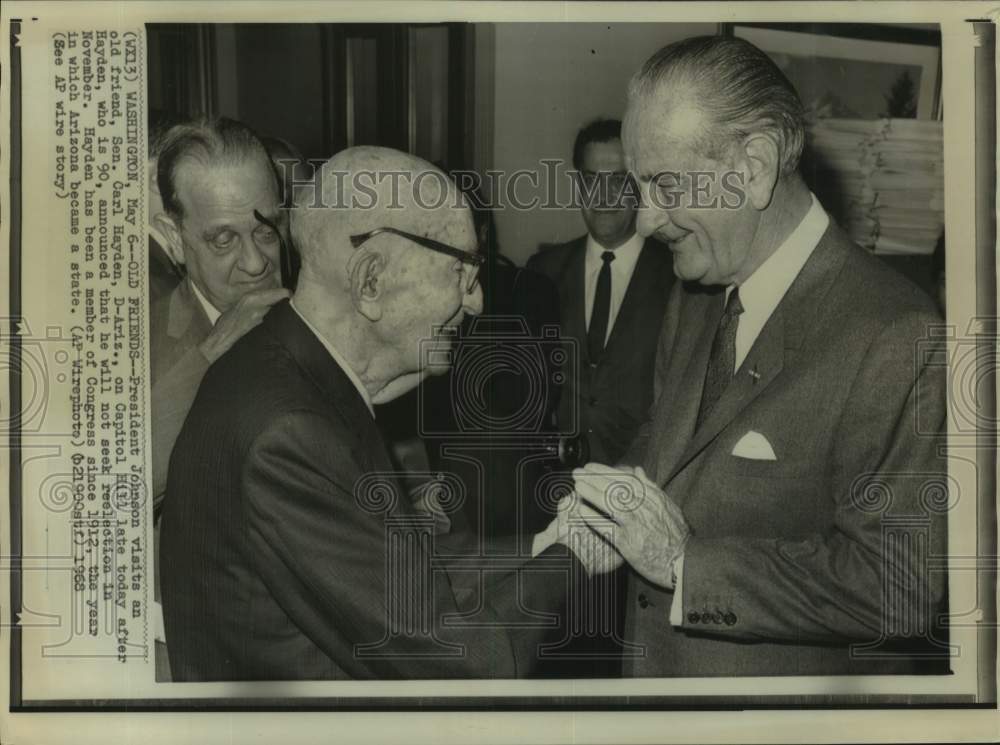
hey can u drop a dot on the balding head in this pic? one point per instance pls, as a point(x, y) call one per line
point(385, 296)
point(364, 188)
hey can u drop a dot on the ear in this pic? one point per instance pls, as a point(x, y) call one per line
point(367, 284)
point(763, 161)
point(171, 230)
point(154, 182)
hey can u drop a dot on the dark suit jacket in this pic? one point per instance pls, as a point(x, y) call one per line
point(177, 325)
point(792, 560)
point(275, 550)
point(610, 398)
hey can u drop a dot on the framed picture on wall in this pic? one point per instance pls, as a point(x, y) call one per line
point(855, 71)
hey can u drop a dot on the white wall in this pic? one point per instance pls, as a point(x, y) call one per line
point(549, 80)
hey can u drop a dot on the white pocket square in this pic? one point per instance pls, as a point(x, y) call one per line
point(754, 445)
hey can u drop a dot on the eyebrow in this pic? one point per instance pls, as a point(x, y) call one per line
point(214, 232)
point(272, 216)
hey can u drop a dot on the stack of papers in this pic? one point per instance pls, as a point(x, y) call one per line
point(882, 180)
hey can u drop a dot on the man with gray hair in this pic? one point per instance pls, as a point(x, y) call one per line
point(790, 490)
point(293, 553)
point(213, 175)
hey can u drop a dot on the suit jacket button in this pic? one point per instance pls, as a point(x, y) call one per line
point(693, 617)
point(717, 617)
point(706, 617)
point(643, 600)
point(729, 619)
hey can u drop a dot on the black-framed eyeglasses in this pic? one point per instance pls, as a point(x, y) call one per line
point(285, 257)
point(471, 263)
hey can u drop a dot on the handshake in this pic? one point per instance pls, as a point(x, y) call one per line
point(616, 515)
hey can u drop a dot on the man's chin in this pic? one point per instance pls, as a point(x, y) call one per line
point(689, 271)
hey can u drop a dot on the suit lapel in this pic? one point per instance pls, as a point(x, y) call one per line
point(773, 351)
point(699, 317)
point(758, 371)
point(575, 322)
point(644, 282)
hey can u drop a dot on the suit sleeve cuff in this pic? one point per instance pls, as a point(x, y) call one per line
point(677, 604)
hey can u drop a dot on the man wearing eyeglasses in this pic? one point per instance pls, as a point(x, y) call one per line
point(613, 288)
point(212, 175)
point(293, 552)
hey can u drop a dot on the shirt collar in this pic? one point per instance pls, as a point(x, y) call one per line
point(210, 310)
point(625, 255)
point(339, 359)
point(763, 290)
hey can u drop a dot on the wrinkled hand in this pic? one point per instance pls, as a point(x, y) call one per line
point(596, 554)
point(649, 528)
point(238, 320)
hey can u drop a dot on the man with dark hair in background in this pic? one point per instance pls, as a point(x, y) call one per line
point(613, 286)
point(792, 489)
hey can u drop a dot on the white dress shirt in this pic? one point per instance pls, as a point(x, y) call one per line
point(626, 256)
point(210, 310)
point(339, 359)
point(760, 294)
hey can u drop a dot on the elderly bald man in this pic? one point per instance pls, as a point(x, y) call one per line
point(280, 509)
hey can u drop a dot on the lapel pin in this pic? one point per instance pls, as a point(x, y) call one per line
point(754, 374)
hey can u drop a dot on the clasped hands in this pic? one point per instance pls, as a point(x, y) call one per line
point(616, 515)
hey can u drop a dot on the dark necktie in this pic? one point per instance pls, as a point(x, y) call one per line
point(722, 358)
point(601, 310)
